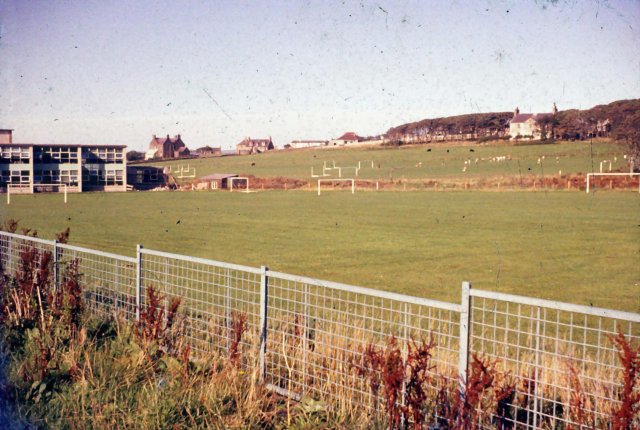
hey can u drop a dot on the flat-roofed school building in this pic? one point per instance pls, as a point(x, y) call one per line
point(29, 167)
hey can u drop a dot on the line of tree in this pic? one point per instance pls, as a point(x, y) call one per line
point(619, 120)
point(473, 126)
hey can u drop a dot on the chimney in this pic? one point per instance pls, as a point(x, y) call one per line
point(178, 136)
point(555, 108)
point(516, 111)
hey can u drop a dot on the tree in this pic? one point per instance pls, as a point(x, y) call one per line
point(135, 156)
point(628, 130)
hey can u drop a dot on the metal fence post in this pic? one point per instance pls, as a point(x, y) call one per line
point(305, 337)
point(56, 269)
point(264, 300)
point(138, 280)
point(465, 321)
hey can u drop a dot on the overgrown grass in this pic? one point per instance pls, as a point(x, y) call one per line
point(566, 246)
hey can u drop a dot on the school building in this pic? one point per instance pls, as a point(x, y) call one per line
point(29, 167)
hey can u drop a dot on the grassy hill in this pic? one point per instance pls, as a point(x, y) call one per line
point(421, 162)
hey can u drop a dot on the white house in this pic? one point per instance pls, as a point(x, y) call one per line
point(527, 125)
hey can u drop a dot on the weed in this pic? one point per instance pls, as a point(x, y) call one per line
point(419, 367)
point(627, 414)
point(154, 327)
point(10, 225)
point(238, 327)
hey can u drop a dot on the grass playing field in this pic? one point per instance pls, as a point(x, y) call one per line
point(420, 162)
point(559, 245)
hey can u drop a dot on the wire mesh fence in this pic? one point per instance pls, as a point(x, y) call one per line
point(214, 295)
point(14, 249)
point(561, 361)
point(318, 331)
point(553, 365)
point(108, 280)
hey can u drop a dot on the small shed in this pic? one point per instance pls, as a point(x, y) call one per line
point(218, 181)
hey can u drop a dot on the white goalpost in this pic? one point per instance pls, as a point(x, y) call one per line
point(590, 175)
point(239, 178)
point(353, 183)
point(14, 189)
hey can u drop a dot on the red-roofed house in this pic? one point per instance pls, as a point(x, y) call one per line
point(166, 147)
point(527, 125)
point(346, 139)
point(254, 146)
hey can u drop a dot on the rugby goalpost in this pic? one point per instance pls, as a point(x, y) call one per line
point(590, 175)
point(353, 183)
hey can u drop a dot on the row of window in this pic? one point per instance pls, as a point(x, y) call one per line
point(108, 155)
point(15, 176)
point(61, 154)
point(55, 154)
point(103, 177)
point(14, 153)
point(69, 177)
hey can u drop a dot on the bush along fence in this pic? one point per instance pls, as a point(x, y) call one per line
point(491, 361)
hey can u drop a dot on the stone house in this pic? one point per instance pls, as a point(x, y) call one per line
point(254, 146)
point(166, 147)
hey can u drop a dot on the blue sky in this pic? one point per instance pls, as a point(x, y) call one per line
point(119, 71)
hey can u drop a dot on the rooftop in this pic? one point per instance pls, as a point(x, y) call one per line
point(58, 145)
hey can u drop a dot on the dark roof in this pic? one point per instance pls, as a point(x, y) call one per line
point(524, 117)
point(217, 176)
point(73, 145)
point(255, 142)
point(521, 117)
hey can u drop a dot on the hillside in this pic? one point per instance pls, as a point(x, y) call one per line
point(619, 119)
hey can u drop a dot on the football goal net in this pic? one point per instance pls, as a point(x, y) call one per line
point(333, 181)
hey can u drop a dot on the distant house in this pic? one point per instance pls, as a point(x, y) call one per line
point(529, 125)
point(208, 151)
point(299, 144)
point(254, 146)
point(166, 147)
point(346, 139)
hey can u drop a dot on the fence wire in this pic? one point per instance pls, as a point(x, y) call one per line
point(14, 250)
point(560, 361)
point(318, 333)
point(108, 280)
point(216, 298)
